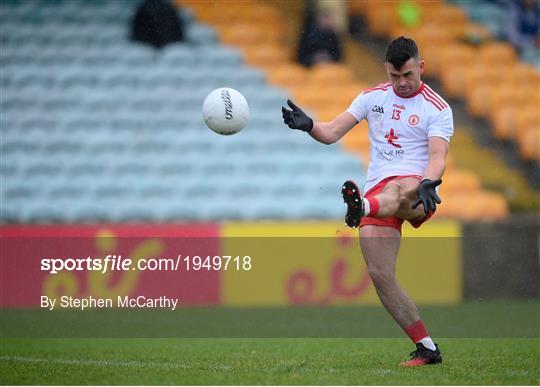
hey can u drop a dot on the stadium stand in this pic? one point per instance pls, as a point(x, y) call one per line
point(95, 128)
point(337, 81)
point(98, 129)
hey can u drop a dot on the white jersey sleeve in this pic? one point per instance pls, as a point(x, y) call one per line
point(442, 125)
point(359, 106)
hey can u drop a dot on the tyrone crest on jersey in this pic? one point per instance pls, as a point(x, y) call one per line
point(414, 120)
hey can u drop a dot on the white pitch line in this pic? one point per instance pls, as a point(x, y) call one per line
point(93, 362)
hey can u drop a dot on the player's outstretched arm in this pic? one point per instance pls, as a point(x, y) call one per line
point(325, 132)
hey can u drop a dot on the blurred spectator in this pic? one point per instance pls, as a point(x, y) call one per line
point(319, 41)
point(524, 26)
point(157, 23)
point(340, 13)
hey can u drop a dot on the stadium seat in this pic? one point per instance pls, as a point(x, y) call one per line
point(334, 74)
point(526, 118)
point(488, 14)
point(523, 73)
point(489, 206)
point(496, 52)
point(531, 56)
point(219, 56)
point(478, 99)
point(265, 56)
point(179, 56)
point(504, 122)
point(450, 17)
point(287, 75)
point(457, 59)
point(460, 181)
point(201, 35)
point(380, 19)
point(529, 144)
point(246, 35)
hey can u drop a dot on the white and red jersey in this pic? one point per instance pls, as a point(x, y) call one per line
point(399, 128)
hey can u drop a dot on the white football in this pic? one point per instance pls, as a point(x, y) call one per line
point(225, 111)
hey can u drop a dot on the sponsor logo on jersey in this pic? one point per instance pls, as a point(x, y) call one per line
point(391, 138)
point(389, 154)
point(414, 120)
point(377, 109)
point(402, 107)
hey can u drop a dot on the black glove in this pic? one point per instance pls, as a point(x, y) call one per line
point(427, 195)
point(296, 118)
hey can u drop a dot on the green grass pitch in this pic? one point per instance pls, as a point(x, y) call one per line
point(479, 344)
point(264, 361)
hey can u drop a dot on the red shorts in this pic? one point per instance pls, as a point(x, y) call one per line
point(392, 221)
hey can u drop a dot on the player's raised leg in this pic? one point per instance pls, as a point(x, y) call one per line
point(380, 246)
point(355, 203)
point(396, 198)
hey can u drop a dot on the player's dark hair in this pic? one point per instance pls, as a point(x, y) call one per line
point(400, 50)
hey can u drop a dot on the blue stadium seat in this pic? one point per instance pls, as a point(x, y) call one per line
point(219, 56)
point(201, 35)
point(179, 56)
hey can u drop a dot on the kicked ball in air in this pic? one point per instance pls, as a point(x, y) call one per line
point(225, 111)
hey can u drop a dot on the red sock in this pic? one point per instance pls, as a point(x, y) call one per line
point(373, 206)
point(416, 331)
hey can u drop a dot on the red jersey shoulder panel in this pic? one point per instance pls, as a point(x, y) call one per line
point(380, 86)
point(434, 98)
